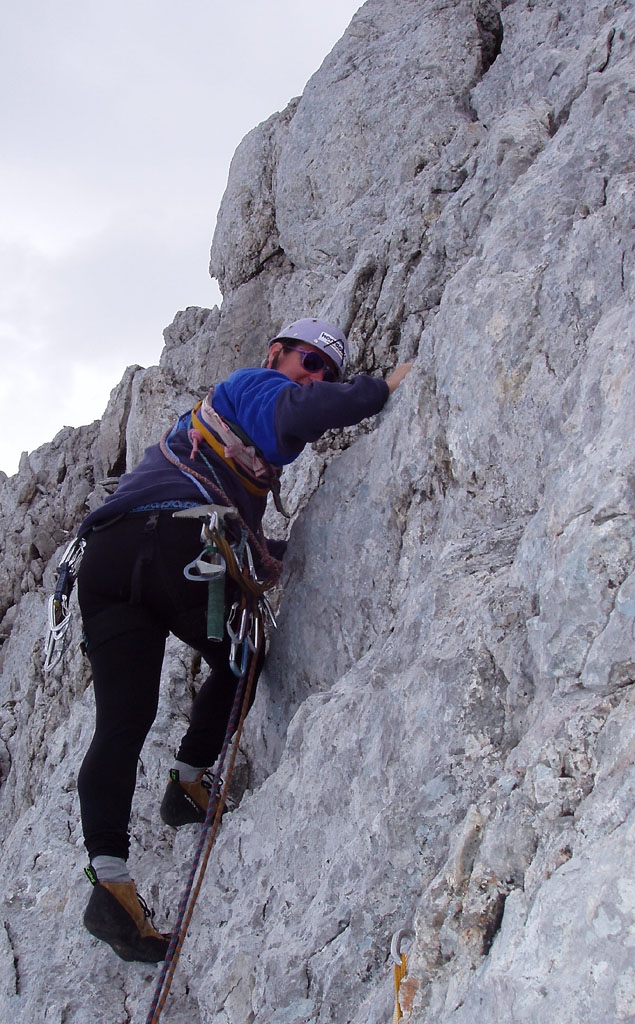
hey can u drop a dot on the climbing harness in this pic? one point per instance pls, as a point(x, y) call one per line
point(212, 489)
point(59, 615)
point(400, 962)
point(246, 631)
point(236, 449)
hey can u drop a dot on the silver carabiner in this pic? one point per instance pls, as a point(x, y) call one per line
point(59, 619)
point(73, 555)
point(207, 529)
point(237, 637)
point(265, 606)
point(53, 648)
point(233, 636)
point(59, 614)
point(250, 563)
point(253, 637)
point(395, 945)
point(239, 670)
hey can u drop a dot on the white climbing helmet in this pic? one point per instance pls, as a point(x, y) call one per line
point(322, 335)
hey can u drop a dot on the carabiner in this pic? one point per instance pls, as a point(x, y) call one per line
point(395, 945)
point(239, 670)
point(265, 606)
point(59, 615)
point(237, 637)
point(250, 564)
point(208, 527)
point(253, 637)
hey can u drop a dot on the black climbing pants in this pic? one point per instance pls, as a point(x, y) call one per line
point(132, 593)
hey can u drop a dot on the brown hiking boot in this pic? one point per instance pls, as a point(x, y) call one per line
point(185, 803)
point(117, 915)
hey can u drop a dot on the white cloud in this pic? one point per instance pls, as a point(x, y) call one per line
point(117, 141)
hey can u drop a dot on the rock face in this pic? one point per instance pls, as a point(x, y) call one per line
point(444, 736)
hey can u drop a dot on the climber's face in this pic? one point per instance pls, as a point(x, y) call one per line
point(293, 363)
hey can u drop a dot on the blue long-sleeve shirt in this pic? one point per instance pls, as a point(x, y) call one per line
point(278, 415)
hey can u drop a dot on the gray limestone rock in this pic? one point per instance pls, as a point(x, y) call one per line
point(443, 736)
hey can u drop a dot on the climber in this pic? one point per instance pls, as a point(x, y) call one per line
point(229, 451)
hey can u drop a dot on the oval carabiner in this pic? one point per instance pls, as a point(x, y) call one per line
point(395, 945)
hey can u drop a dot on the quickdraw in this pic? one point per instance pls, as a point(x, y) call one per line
point(59, 615)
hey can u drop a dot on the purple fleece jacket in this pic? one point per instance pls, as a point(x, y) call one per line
point(278, 415)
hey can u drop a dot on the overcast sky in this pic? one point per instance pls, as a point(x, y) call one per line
point(118, 122)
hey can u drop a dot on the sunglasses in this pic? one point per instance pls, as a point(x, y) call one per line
point(313, 362)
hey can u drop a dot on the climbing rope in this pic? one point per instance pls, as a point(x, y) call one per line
point(207, 838)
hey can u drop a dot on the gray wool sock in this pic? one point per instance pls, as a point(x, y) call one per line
point(187, 773)
point(110, 869)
